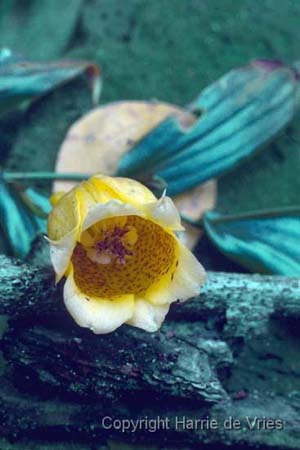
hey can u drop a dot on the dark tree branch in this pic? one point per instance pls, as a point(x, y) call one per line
point(222, 354)
point(245, 301)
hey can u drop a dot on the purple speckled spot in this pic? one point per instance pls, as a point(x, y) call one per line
point(112, 244)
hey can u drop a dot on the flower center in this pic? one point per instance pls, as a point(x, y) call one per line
point(122, 255)
point(114, 246)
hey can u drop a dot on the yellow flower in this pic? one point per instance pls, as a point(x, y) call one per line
point(116, 244)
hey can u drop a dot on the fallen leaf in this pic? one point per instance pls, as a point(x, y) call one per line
point(22, 81)
point(22, 217)
point(267, 245)
point(241, 112)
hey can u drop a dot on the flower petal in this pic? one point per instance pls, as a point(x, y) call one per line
point(64, 225)
point(99, 315)
point(147, 316)
point(113, 208)
point(164, 213)
point(61, 252)
point(127, 190)
point(56, 197)
point(182, 284)
point(65, 215)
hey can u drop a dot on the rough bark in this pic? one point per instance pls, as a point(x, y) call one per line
point(244, 301)
point(231, 352)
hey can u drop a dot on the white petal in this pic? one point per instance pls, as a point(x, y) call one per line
point(99, 315)
point(165, 213)
point(103, 211)
point(61, 252)
point(187, 279)
point(147, 316)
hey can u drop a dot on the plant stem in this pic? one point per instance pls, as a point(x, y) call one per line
point(260, 214)
point(43, 176)
point(255, 214)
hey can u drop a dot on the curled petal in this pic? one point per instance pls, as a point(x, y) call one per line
point(165, 213)
point(99, 315)
point(61, 253)
point(182, 284)
point(65, 217)
point(147, 316)
point(64, 227)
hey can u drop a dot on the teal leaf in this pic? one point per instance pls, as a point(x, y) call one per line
point(36, 202)
point(22, 81)
point(241, 112)
point(261, 244)
point(19, 219)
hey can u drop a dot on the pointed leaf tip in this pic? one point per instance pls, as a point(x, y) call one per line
point(22, 81)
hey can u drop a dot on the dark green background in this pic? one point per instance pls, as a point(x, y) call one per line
point(163, 49)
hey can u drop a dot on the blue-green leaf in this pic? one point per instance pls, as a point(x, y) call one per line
point(21, 217)
point(36, 202)
point(22, 81)
point(265, 245)
point(241, 112)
